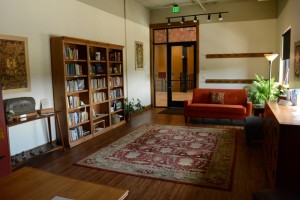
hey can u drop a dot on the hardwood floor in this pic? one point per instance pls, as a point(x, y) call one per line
point(249, 170)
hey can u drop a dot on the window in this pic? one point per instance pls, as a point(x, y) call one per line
point(286, 39)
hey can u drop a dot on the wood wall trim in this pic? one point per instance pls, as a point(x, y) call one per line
point(230, 81)
point(237, 55)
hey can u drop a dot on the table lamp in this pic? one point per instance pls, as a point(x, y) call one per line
point(270, 58)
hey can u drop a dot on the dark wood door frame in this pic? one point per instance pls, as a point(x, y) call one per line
point(152, 70)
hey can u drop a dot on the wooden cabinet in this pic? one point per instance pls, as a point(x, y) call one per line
point(5, 167)
point(281, 144)
point(88, 88)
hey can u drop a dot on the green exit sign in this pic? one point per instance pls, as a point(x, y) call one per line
point(175, 9)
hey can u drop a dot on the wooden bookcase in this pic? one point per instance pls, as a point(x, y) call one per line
point(88, 87)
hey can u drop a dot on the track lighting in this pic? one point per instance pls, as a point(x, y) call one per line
point(169, 21)
point(195, 17)
point(182, 20)
point(208, 17)
point(220, 17)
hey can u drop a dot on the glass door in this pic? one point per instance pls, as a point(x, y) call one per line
point(181, 61)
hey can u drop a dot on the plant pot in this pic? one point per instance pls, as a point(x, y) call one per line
point(127, 117)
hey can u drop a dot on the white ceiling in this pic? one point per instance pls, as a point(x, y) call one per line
point(160, 4)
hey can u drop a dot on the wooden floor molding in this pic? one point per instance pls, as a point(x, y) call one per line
point(230, 81)
point(249, 170)
point(237, 55)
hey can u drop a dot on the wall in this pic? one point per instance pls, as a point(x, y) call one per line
point(40, 19)
point(236, 37)
point(138, 80)
point(289, 18)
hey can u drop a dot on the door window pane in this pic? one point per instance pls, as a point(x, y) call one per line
point(160, 36)
point(182, 34)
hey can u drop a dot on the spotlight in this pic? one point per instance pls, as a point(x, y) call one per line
point(169, 21)
point(182, 20)
point(195, 19)
point(220, 17)
point(208, 17)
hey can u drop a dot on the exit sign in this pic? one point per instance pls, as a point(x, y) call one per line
point(175, 9)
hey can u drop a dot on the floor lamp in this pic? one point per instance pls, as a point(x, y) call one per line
point(270, 58)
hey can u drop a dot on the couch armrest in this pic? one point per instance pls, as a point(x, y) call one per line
point(249, 108)
point(187, 102)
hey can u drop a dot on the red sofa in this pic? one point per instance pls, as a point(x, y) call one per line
point(234, 104)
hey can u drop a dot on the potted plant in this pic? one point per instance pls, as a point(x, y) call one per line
point(132, 106)
point(259, 90)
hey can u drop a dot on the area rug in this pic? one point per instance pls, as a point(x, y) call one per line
point(191, 155)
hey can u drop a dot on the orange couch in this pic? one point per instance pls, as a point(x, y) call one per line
point(234, 105)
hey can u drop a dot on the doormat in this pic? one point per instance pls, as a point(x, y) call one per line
point(172, 111)
point(191, 155)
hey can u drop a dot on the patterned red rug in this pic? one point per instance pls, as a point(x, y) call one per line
point(192, 155)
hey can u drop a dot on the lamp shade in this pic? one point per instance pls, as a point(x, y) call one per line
point(271, 57)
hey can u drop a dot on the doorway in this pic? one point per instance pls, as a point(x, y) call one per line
point(175, 73)
point(181, 70)
point(174, 63)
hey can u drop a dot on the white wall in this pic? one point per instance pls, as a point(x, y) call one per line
point(40, 19)
point(289, 18)
point(138, 81)
point(236, 37)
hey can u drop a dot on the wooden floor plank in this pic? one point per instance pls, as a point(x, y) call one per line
point(249, 170)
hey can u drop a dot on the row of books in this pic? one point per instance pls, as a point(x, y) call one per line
point(115, 56)
point(73, 101)
point(116, 105)
point(115, 81)
point(116, 93)
point(75, 85)
point(78, 132)
point(77, 117)
point(99, 96)
point(98, 83)
point(71, 53)
point(97, 68)
point(73, 69)
point(115, 69)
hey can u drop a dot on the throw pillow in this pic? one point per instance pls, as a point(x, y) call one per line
point(217, 97)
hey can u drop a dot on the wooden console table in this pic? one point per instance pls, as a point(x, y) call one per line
point(281, 144)
point(38, 117)
point(30, 183)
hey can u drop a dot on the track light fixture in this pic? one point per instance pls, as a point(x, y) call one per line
point(220, 17)
point(169, 21)
point(182, 20)
point(208, 17)
point(195, 17)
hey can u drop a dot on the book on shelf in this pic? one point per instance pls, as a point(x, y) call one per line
point(80, 84)
point(99, 68)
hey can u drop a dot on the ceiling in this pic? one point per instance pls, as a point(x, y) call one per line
point(160, 4)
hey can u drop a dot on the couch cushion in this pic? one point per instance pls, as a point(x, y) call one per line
point(217, 97)
point(231, 96)
point(217, 108)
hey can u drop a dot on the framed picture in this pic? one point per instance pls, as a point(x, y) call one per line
point(297, 61)
point(139, 55)
point(15, 74)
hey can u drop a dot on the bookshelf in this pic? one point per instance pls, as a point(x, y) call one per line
point(88, 87)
